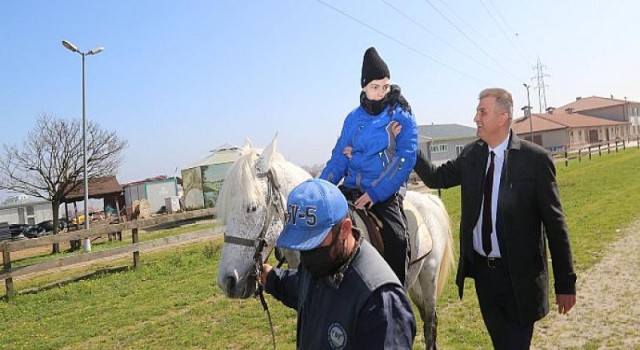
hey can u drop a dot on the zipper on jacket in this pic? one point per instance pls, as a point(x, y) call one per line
point(382, 157)
point(397, 168)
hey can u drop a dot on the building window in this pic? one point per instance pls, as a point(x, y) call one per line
point(459, 149)
point(29, 210)
point(439, 148)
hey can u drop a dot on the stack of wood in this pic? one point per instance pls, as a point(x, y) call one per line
point(141, 209)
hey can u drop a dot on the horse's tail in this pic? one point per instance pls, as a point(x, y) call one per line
point(447, 261)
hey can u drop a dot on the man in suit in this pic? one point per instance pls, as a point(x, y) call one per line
point(502, 244)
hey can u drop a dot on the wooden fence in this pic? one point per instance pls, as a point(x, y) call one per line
point(591, 150)
point(8, 273)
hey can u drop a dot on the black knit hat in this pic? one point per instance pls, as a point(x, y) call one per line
point(373, 67)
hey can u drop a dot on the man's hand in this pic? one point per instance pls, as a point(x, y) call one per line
point(395, 128)
point(347, 151)
point(565, 302)
point(266, 268)
point(363, 201)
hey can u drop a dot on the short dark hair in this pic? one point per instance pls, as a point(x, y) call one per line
point(502, 96)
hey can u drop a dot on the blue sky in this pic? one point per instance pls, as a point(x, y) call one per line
point(179, 78)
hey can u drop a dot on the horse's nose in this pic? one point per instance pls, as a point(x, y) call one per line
point(229, 284)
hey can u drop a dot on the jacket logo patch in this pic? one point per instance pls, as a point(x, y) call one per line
point(337, 336)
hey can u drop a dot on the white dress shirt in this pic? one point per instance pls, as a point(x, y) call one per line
point(498, 162)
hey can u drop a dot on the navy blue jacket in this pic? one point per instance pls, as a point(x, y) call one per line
point(367, 309)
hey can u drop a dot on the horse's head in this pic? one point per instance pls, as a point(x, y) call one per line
point(252, 204)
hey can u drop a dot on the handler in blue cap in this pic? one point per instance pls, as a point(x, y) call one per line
point(346, 295)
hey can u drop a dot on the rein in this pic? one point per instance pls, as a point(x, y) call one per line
point(275, 205)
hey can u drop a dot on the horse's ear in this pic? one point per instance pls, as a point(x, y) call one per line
point(264, 162)
point(247, 144)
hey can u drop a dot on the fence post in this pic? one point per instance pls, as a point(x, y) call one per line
point(579, 155)
point(136, 254)
point(599, 151)
point(616, 146)
point(638, 141)
point(566, 158)
point(608, 147)
point(589, 152)
point(6, 259)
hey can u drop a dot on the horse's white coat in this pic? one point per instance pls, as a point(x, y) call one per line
point(242, 207)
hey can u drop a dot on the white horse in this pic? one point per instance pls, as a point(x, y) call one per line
point(251, 204)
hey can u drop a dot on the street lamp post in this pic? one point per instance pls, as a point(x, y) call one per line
point(527, 112)
point(86, 245)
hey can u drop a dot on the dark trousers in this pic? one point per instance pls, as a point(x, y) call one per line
point(394, 235)
point(393, 231)
point(498, 306)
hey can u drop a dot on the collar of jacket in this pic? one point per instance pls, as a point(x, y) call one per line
point(514, 142)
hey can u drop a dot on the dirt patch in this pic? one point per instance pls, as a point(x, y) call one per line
point(607, 312)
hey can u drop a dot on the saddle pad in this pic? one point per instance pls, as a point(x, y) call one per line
point(419, 237)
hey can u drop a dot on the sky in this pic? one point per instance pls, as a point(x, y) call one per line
point(178, 79)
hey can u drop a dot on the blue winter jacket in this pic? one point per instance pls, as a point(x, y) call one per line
point(379, 165)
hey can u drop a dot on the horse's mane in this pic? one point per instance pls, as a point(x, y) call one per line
point(241, 189)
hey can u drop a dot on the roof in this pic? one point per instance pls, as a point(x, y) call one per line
point(591, 103)
point(522, 125)
point(560, 120)
point(98, 188)
point(228, 154)
point(446, 131)
point(159, 178)
point(29, 203)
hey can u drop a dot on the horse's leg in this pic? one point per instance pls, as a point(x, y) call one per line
point(423, 294)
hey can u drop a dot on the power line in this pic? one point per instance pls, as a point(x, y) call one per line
point(444, 3)
point(509, 39)
point(408, 47)
point(472, 41)
point(440, 39)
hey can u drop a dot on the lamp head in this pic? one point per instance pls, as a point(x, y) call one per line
point(95, 50)
point(69, 46)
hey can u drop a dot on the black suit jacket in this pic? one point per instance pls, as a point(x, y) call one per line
point(528, 199)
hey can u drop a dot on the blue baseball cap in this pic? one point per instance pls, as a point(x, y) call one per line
point(313, 207)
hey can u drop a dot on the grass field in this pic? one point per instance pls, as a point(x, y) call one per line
point(171, 302)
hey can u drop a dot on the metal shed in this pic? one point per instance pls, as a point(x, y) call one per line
point(26, 211)
point(154, 190)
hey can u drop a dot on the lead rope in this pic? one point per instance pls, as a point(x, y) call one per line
point(257, 257)
point(260, 289)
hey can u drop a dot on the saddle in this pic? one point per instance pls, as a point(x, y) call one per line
point(420, 243)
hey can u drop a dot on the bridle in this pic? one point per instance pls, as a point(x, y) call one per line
point(275, 210)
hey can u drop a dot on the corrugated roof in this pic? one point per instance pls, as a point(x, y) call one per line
point(446, 131)
point(220, 156)
point(590, 103)
point(98, 188)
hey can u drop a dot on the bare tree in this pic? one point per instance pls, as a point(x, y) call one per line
point(49, 164)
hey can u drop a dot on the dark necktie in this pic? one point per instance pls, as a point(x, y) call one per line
point(486, 208)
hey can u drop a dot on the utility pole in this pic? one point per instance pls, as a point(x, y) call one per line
point(527, 112)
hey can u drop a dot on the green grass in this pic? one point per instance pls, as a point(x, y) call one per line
point(171, 301)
